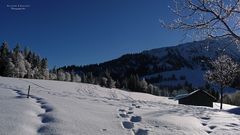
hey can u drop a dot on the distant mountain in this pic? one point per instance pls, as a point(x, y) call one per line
point(194, 58)
point(197, 52)
point(168, 67)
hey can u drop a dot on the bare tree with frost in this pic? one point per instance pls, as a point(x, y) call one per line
point(212, 18)
point(223, 73)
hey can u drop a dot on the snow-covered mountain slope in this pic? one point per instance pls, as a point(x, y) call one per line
point(191, 60)
point(65, 108)
point(208, 48)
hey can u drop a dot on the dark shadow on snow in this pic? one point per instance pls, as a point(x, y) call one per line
point(234, 111)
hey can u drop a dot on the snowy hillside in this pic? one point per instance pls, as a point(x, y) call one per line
point(192, 60)
point(65, 108)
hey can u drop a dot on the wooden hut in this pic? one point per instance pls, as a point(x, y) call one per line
point(198, 98)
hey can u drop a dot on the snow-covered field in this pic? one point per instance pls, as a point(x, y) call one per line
point(64, 108)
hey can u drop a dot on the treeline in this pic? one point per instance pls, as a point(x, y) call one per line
point(122, 73)
point(27, 64)
point(132, 83)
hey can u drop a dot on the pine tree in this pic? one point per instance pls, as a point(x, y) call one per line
point(118, 85)
point(84, 78)
point(3, 58)
point(133, 83)
point(44, 69)
point(89, 78)
point(4, 50)
point(16, 50)
point(26, 52)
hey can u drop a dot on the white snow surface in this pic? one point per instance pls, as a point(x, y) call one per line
point(65, 108)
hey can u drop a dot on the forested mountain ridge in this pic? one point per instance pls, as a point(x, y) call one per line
point(173, 67)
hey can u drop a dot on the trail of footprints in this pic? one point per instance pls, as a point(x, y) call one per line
point(129, 119)
point(205, 121)
point(46, 117)
point(212, 127)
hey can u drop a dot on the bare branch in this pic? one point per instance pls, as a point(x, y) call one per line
point(216, 17)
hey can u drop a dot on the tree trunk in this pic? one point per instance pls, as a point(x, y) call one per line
point(221, 97)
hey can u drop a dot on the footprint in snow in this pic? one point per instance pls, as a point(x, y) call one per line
point(46, 118)
point(141, 132)
point(205, 118)
point(212, 127)
point(136, 119)
point(127, 125)
point(138, 106)
point(129, 112)
point(46, 107)
point(130, 108)
point(104, 129)
point(121, 110)
point(209, 132)
point(123, 115)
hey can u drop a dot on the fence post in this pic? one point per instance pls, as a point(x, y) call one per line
point(28, 91)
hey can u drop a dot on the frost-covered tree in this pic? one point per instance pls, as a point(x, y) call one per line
point(150, 88)
point(44, 69)
point(110, 83)
point(61, 75)
point(143, 85)
point(52, 76)
point(68, 77)
point(75, 77)
point(223, 73)
point(29, 69)
point(212, 18)
point(10, 70)
point(36, 73)
point(20, 65)
point(103, 81)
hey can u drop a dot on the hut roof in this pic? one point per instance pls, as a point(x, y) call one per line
point(197, 91)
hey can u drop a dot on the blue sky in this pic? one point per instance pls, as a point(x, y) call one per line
point(87, 31)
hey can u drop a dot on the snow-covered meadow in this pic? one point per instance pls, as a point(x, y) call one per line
point(65, 108)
